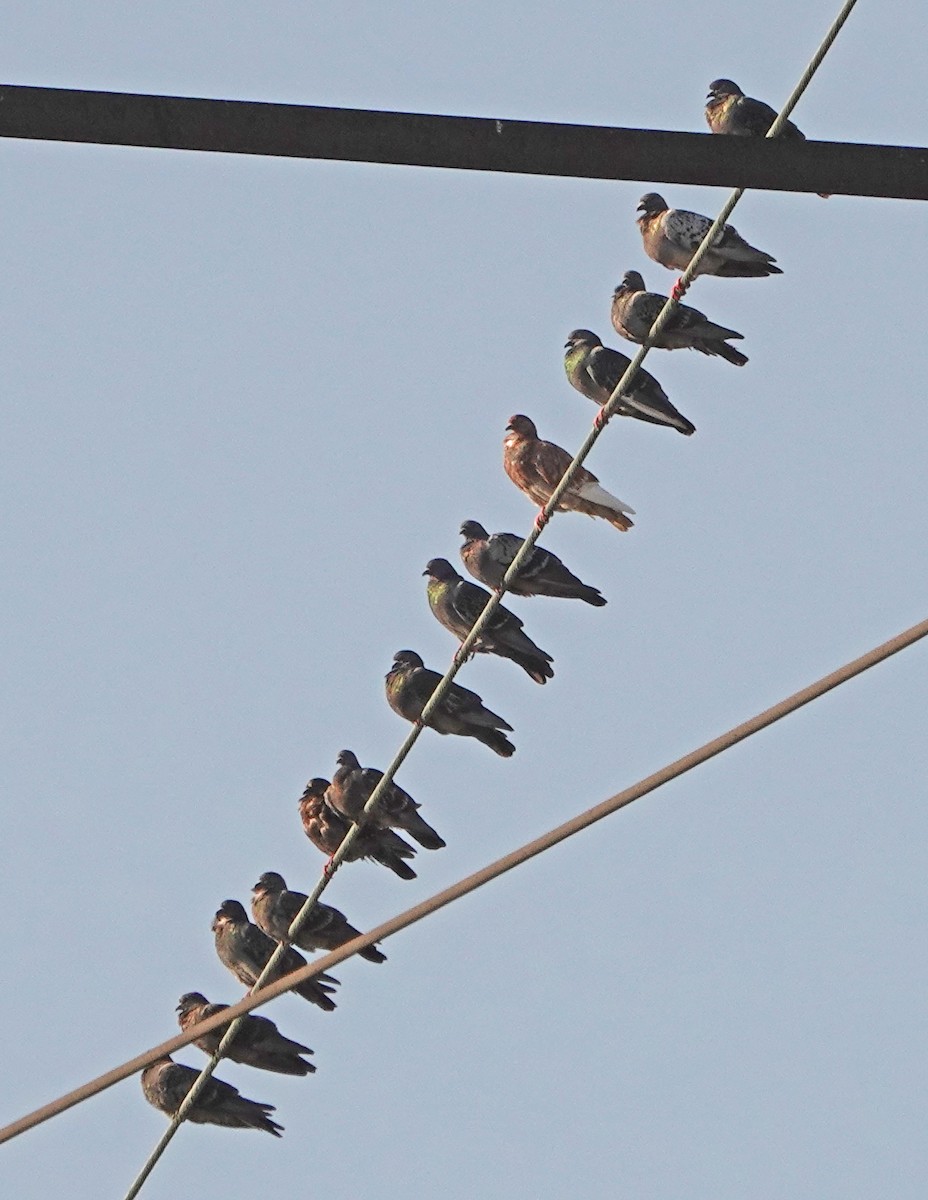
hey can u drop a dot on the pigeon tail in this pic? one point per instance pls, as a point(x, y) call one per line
point(497, 741)
point(417, 827)
point(611, 507)
point(723, 350)
point(747, 270)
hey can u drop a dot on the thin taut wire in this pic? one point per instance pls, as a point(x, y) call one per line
point(493, 603)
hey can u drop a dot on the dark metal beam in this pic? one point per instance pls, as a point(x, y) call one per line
point(468, 143)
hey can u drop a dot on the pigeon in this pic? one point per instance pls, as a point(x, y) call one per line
point(671, 236)
point(166, 1083)
point(327, 830)
point(274, 907)
point(634, 311)
point(352, 786)
point(457, 604)
point(258, 1042)
point(410, 684)
point(536, 467)
point(595, 370)
point(245, 950)
point(488, 557)
point(730, 111)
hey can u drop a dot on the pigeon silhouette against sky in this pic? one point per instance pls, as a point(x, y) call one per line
point(258, 1043)
point(352, 786)
point(457, 603)
point(326, 829)
point(489, 556)
point(595, 370)
point(536, 467)
point(634, 311)
point(671, 236)
point(166, 1083)
point(245, 950)
point(274, 907)
point(410, 685)
point(730, 111)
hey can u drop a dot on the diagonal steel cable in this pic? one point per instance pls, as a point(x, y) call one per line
point(464, 650)
point(469, 884)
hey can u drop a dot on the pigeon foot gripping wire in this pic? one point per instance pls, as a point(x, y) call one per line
point(541, 520)
point(679, 289)
point(601, 420)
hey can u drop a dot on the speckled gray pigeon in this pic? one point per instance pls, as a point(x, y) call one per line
point(410, 685)
point(595, 370)
point(165, 1083)
point(456, 603)
point(326, 830)
point(536, 467)
point(274, 907)
point(671, 236)
point(489, 556)
point(258, 1042)
point(352, 786)
point(730, 111)
point(245, 950)
point(634, 311)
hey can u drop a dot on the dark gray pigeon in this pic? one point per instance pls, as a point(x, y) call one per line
point(258, 1042)
point(352, 786)
point(326, 830)
point(635, 310)
point(730, 111)
point(166, 1083)
point(595, 370)
point(489, 556)
point(410, 685)
point(456, 603)
point(274, 908)
point(245, 950)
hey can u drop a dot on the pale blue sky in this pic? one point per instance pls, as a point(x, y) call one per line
point(246, 400)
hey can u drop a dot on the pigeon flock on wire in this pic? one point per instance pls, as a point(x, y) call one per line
point(329, 808)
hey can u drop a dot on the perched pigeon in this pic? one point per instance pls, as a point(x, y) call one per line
point(634, 311)
point(245, 950)
point(457, 604)
point(352, 786)
point(536, 467)
point(326, 829)
point(671, 236)
point(258, 1042)
point(730, 111)
point(166, 1083)
point(274, 907)
point(410, 684)
point(595, 371)
point(488, 558)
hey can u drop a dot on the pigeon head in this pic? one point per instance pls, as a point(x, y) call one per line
point(270, 881)
point(719, 88)
point(230, 912)
point(651, 204)
point(189, 1001)
point(473, 530)
point(523, 426)
point(407, 658)
point(440, 569)
point(316, 787)
point(348, 758)
point(581, 337)
point(631, 282)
